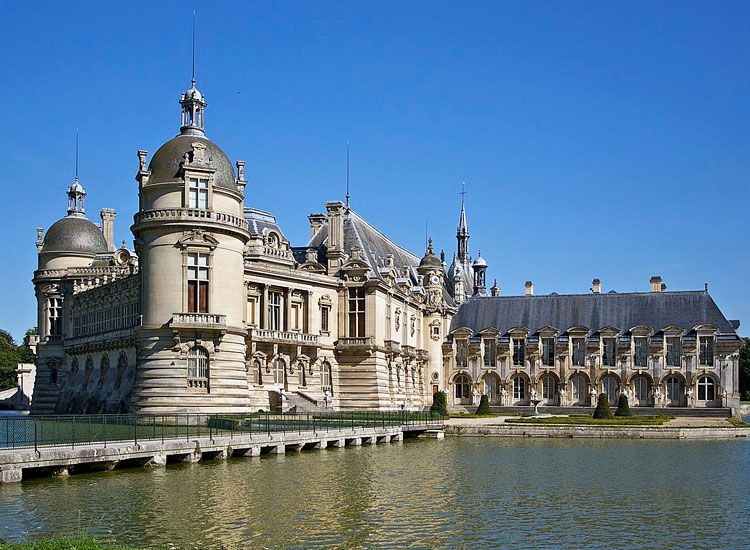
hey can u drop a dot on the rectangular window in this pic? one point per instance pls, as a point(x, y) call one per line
point(325, 313)
point(296, 311)
point(490, 351)
point(548, 352)
point(55, 316)
point(198, 193)
point(274, 311)
point(674, 351)
point(462, 352)
point(641, 351)
point(356, 312)
point(707, 351)
point(197, 283)
point(252, 304)
point(579, 352)
point(609, 353)
point(519, 351)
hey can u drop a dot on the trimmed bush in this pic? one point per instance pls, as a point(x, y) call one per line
point(602, 407)
point(623, 409)
point(484, 405)
point(439, 403)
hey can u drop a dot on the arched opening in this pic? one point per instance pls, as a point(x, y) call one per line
point(641, 387)
point(492, 388)
point(302, 376)
point(197, 363)
point(257, 372)
point(610, 388)
point(462, 390)
point(279, 372)
point(674, 391)
point(549, 390)
point(519, 390)
point(706, 391)
point(325, 377)
point(579, 387)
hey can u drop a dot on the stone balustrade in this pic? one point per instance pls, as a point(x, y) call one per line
point(198, 320)
point(284, 337)
point(191, 214)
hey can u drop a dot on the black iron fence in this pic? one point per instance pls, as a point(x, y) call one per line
point(17, 432)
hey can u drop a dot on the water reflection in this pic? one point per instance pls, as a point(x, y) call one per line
point(464, 492)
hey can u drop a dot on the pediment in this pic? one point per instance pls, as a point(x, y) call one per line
point(197, 237)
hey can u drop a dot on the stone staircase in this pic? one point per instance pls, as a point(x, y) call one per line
point(302, 402)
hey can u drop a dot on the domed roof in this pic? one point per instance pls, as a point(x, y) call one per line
point(192, 93)
point(74, 234)
point(430, 259)
point(479, 262)
point(165, 164)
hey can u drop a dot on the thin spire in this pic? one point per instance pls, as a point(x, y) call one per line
point(76, 154)
point(193, 77)
point(348, 197)
point(462, 233)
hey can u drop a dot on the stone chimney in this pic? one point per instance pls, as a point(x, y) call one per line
point(336, 211)
point(316, 221)
point(529, 288)
point(495, 290)
point(108, 227)
point(596, 286)
point(657, 285)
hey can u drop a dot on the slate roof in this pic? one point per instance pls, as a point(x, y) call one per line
point(74, 234)
point(261, 222)
point(165, 164)
point(657, 310)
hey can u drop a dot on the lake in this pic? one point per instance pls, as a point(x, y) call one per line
point(460, 492)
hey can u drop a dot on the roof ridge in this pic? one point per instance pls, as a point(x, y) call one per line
point(616, 293)
point(373, 228)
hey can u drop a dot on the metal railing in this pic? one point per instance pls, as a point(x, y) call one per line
point(20, 432)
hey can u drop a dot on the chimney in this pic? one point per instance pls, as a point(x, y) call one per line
point(39, 239)
point(108, 227)
point(316, 221)
point(529, 288)
point(495, 290)
point(241, 181)
point(596, 286)
point(336, 211)
point(656, 284)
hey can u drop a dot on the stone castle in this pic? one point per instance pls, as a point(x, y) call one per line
point(215, 311)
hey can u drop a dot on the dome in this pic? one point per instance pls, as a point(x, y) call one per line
point(430, 260)
point(479, 262)
point(165, 164)
point(193, 93)
point(74, 234)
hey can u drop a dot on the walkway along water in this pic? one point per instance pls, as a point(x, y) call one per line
point(59, 445)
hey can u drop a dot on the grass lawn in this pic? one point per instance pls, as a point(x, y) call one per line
point(738, 423)
point(64, 543)
point(586, 420)
point(472, 415)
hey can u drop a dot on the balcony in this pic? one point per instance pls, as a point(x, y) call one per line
point(190, 215)
point(357, 345)
point(284, 337)
point(202, 321)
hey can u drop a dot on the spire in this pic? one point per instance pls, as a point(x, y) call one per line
point(193, 103)
point(76, 193)
point(462, 233)
point(348, 197)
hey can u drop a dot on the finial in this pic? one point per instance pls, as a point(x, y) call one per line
point(348, 197)
point(429, 246)
point(76, 154)
point(463, 192)
point(193, 77)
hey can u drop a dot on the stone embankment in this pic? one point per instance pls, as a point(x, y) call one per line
point(495, 427)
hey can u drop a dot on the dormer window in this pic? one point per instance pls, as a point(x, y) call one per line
point(462, 351)
point(707, 351)
point(548, 351)
point(674, 351)
point(490, 352)
point(198, 193)
point(519, 351)
point(579, 352)
point(609, 352)
point(641, 351)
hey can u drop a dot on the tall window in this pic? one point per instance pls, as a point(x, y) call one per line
point(356, 312)
point(325, 375)
point(548, 352)
point(325, 313)
point(274, 311)
point(641, 351)
point(641, 386)
point(198, 193)
point(258, 369)
point(609, 353)
point(674, 351)
point(579, 352)
point(490, 349)
point(296, 323)
point(579, 384)
point(197, 363)
point(706, 389)
point(519, 388)
point(461, 353)
point(549, 387)
point(279, 371)
point(55, 316)
point(674, 390)
point(461, 387)
point(707, 351)
point(519, 351)
point(197, 283)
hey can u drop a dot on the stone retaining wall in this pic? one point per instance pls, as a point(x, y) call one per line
point(597, 432)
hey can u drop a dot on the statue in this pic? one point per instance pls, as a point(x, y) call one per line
point(503, 395)
point(689, 394)
point(533, 394)
point(474, 395)
point(593, 396)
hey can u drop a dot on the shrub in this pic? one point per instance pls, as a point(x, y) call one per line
point(623, 409)
point(602, 407)
point(484, 405)
point(223, 423)
point(439, 403)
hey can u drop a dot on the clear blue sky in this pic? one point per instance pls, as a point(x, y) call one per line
point(595, 140)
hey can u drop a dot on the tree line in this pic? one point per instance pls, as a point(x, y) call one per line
point(11, 354)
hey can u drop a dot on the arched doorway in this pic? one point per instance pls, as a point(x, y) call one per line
point(492, 388)
point(707, 391)
point(549, 390)
point(674, 391)
point(520, 389)
point(462, 390)
point(641, 387)
point(610, 388)
point(279, 372)
point(579, 386)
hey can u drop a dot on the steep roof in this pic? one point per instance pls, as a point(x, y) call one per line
point(594, 311)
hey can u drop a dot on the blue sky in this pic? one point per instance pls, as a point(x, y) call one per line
point(596, 139)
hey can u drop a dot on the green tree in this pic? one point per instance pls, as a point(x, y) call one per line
point(9, 358)
point(602, 407)
point(484, 405)
point(623, 409)
point(745, 370)
point(439, 403)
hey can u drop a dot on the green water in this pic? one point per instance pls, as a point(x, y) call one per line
point(460, 492)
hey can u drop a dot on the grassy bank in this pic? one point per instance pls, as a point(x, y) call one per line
point(64, 543)
point(587, 420)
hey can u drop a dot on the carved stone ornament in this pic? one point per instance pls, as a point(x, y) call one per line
point(197, 237)
point(198, 155)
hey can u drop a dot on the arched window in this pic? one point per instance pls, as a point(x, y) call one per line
point(706, 388)
point(491, 386)
point(549, 387)
point(197, 363)
point(301, 373)
point(258, 372)
point(519, 388)
point(462, 387)
point(674, 391)
point(609, 388)
point(103, 369)
point(279, 370)
point(641, 386)
point(579, 389)
point(325, 376)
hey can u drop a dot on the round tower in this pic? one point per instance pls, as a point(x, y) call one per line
point(190, 234)
point(433, 279)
